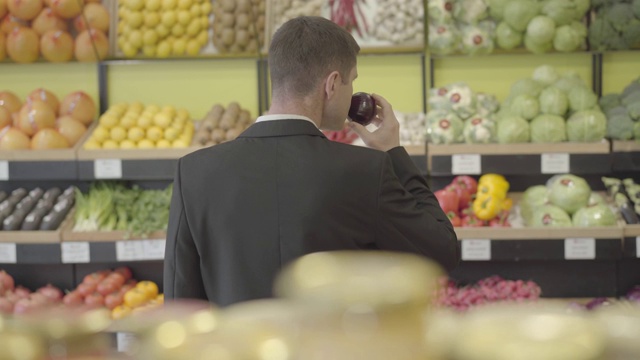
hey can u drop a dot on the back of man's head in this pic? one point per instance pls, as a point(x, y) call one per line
point(306, 49)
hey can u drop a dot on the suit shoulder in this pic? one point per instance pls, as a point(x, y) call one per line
point(360, 151)
point(206, 152)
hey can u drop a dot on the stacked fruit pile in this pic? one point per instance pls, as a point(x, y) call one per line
point(238, 25)
point(36, 209)
point(490, 290)
point(222, 125)
point(44, 122)
point(131, 126)
point(35, 27)
point(160, 28)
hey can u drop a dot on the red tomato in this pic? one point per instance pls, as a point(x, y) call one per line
point(471, 221)
point(467, 182)
point(73, 298)
point(448, 200)
point(106, 287)
point(464, 195)
point(116, 278)
point(124, 271)
point(86, 289)
point(454, 218)
point(7, 280)
point(112, 300)
point(93, 278)
point(94, 300)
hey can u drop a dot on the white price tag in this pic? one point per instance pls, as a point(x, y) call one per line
point(466, 164)
point(4, 170)
point(153, 249)
point(554, 163)
point(107, 169)
point(580, 248)
point(476, 249)
point(638, 246)
point(8, 254)
point(130, 250)
point(126, 342)
point(75, 252)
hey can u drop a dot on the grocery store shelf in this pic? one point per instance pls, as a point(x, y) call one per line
point(515, 52)
point(37, 164)
point(625, 155)
point(519, 159)
point(631, 241)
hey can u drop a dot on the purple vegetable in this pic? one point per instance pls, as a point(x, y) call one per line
point(363, 108)
point(634, 294)
point(597, 302)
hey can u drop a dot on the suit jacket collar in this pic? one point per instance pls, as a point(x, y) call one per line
point(281, 128)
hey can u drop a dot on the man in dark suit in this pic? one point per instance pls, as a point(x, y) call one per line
point(243, 209)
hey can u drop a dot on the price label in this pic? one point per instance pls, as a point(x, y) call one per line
point(8, 254)
point(638, 246)
point(107, 169)
point(126, 342)
point(466, 164)
point(4, 170)
point(75, 252)
point(476, 249)
point(580, 248)
point(153, 249)
point(554, 163)
point(131, 250)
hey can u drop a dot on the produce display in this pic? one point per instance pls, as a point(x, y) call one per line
point(566, 200)
point(285, 10)
point(412, 129)
point(239, 25)
point(471, 203)
point(478, 27)
point(459, 115)
point(489, 290)
point(134, 126)
point(550, 107)
point(402, 25)
point(59, 31)
point(623, 112)
point(42, 121)
point(110, 206)
point(221, 125)
point(616, 25)
point(626, 196)
point(24, 210)
point(164, 28)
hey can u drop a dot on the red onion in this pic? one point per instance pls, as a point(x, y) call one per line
point(51, 292)
point(363, 108)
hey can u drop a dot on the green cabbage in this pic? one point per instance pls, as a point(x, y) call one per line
point(582, 6)
point(580, 28)
point(582, 98)
point(496, 8)
point(594, 215)
point(568, 81)
point(537, 48)
point(545, 75)
point(561, 11)
point(569, 192)
point(586, 126)
point(525, 106)
point(525, 86)
point(548, 129)
point(567, 39)
point(513, 129)
point(596, 198)
point(532, 198)
point(541, 29)
point(553, 101)
point(550, 216)
point(518, 13)
point(507, 37)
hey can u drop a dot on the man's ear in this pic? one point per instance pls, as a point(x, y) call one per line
point(331, 84)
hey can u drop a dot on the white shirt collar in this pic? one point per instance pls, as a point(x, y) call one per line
point(284, 117)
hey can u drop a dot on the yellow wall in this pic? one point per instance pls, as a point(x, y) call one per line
point(60, 79)
point(619, 69)
point(193, 84)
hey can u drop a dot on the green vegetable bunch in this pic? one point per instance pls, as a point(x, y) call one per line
point(623, 112)
point(616, 26)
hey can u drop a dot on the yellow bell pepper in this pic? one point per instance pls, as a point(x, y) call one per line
point(487, 207)
point(491, 178)
point(495, 189)
point(507, 204)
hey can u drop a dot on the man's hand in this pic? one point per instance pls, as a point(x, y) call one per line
point(387, 135)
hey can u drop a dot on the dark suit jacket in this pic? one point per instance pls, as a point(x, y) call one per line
point(243, 209)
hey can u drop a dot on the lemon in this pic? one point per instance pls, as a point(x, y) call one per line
point(163, 50)
point(153, 5)
point(154, 133)
point(184, 17)
point(171, 133)
point(162, 30)
point(169, 4)
point(179, 47)
point(132, 112)
point(195, 10)
point(127, 144)
point(110, 144)
point(178, 126)
point(149, 50)
point(179, 143)
point(203, 38)
point(136, 107)
point(134, 4)
point(100, 134)
point(184, 4)
point(127, 122)
point(146, 144)
point(183, 114)
point(135, 20)
point(129, 50)
point(177, 30)
point(151, 19)
point(169, 18)
point(205, 8)
point(108, 121)
point(144, 121)
point(194, 28)
point(162, 120)
point(204, 22)
point(149, 37)
point(120, 28)
point(92, 144)
point(162, 143)
point(135, 134)
point(118, 133)
point(169, 110)
point(135, 39)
